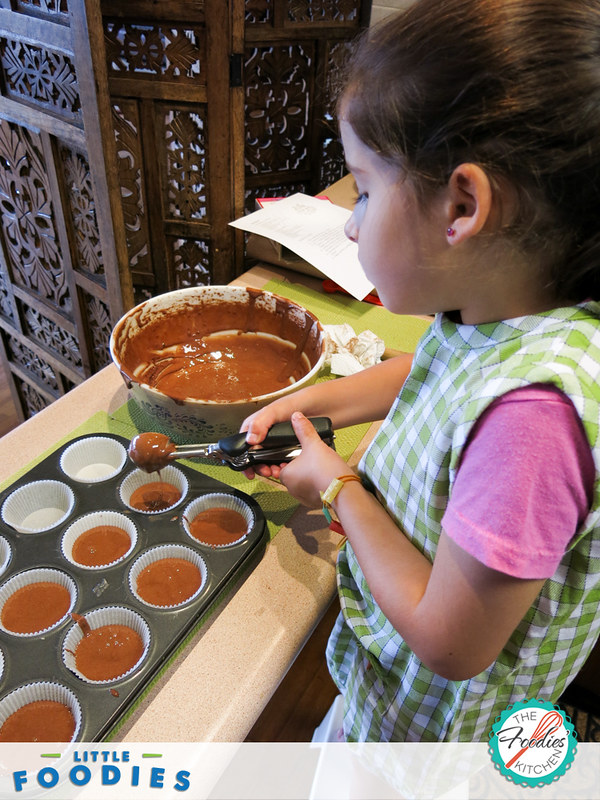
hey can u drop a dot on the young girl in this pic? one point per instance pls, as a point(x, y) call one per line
point(471, 575)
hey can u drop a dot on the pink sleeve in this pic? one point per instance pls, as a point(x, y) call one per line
point(524, 484)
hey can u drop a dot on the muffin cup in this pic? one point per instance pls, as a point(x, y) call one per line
point(94, 459)
point(162, 552)
point(42, 690)
point(93, 520)
point(38, 506)
point(139, 478)
point(110, 615)
point(217, 500)
point(5, 554)
point(22, 579)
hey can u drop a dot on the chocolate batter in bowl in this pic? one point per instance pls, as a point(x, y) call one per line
point(198, 361)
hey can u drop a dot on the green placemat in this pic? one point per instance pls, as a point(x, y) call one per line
point(397, 331)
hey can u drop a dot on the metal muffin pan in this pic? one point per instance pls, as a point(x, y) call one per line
point(39, 658)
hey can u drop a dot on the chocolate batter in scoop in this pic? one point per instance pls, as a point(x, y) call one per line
point(150, 451)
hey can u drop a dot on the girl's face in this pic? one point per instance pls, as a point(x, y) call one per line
point(398, 244)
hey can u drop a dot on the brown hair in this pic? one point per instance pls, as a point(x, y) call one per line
point(512, 85)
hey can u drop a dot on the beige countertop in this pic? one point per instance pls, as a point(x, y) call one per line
point(218, 685)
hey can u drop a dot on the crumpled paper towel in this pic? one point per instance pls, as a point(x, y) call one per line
point(347, 353)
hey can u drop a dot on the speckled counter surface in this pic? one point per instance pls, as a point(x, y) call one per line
point(220, 682)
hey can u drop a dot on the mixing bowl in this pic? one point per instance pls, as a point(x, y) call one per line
point(157, 347)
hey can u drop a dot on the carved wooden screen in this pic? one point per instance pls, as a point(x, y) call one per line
point(168, 68)
point(294, 50)
point(216, 102)
point(61, 288)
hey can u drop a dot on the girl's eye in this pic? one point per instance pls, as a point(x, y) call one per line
point(361, 197)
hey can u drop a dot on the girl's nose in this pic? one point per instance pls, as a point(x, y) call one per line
point(351, 229)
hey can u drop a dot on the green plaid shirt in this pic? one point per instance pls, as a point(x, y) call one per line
point(389, 695)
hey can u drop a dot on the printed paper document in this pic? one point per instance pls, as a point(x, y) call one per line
point(314, 229)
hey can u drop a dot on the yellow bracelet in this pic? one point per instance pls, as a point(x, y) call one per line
point(332, 491)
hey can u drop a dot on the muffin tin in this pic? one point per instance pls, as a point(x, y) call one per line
point(36, 658)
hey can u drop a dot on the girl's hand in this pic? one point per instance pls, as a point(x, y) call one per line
point(256, 426)
point(313, 470)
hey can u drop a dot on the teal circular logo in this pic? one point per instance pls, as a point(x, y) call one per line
point(533, 743)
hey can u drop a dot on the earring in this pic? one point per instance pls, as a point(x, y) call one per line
point(451, 232)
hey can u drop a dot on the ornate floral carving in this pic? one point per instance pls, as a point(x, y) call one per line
point(100, 328)
point(305, 11)
point(31, 364)
point(56, 339)
point(186, 153)
point(191, 258)
point(130, 159)
point(27, 215)
point(157, 50)
point(277, 108)
point(45, 7)
point(41, 76)
point(258, 11)
point(332, 164)
point(32, 400)
point(6, 309)
point(141, 293)
point(337, 56)
point(272, 190)
point(83, 212)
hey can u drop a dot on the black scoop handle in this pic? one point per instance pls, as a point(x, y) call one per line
point(280, 435)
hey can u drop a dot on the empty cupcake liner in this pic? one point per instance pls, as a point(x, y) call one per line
point(5, 554)
point(38, 506)
point(109, 615)
point(94, 459)
point(159, 553)
point(139, 478)
point(217, 500)
point(42, 690)
point(37, 576)
point(92, 520)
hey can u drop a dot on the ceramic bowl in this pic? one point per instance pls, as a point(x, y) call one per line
point(206, 310)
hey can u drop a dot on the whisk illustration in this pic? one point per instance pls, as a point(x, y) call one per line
point(550, 722)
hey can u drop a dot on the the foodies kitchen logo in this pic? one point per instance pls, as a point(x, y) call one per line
point(102, 768)
point(533, 743)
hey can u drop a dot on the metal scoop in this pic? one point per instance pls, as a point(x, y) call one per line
point(152, 451)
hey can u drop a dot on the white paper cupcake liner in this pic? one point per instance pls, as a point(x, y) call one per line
point(42, 690)
point(159, 553)
point(93, 460)
point(93, 520)
point(5, 554)
point(217, 500)
point(109, 615)
point(22, 579)
point(2, 663)
point(138, 478)
point(38, 506)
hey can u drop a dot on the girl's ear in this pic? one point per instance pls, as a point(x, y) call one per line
point(469, 202)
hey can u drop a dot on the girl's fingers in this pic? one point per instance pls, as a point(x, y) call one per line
point(304, 429)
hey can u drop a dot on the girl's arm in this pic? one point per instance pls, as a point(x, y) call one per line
point(456, 614)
